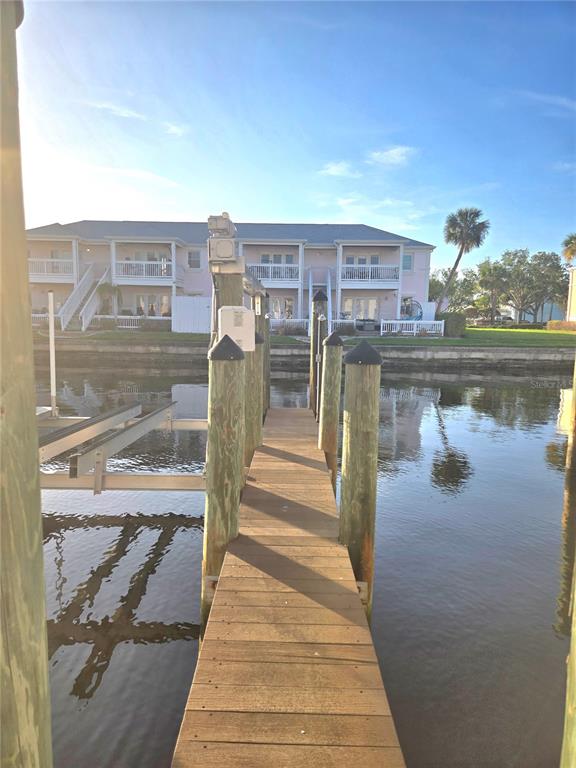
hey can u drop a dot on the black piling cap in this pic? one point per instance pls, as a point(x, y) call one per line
point(320, 296)
point(363, 354)
point(333, 340)
point(226, 349)
point(258, 338)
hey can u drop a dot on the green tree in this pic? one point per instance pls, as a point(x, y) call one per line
point(463, 291)
point(491, 287)
point(110, 295)
point(466, 230)
point(569, 248)
point(521, 282)
point(550, 281)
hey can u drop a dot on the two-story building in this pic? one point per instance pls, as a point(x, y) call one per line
point(367, 273)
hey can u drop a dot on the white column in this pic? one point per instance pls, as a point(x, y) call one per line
point(338, 280)
point(113, 260)
point(75, 262)
point(399, 302)
point(300, 280)
point(173, 254)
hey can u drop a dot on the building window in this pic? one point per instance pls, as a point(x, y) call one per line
point(277, 258)
point(289, 258)
point(265, 258)
point(350, 260)
point(407, 261)
point(194, 259)
point(375, 259)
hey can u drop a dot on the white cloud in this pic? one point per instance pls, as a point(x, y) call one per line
point(397, 155)
point(116, 110)
point(175, 129)
point(550, 99)
point(388, 213)
point(341, 168)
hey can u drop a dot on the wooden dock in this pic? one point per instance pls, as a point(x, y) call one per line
point(287, 675)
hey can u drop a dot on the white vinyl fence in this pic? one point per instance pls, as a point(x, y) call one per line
point(191, 314)
point(412, 327)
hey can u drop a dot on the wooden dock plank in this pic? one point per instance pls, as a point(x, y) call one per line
point(287, 728)
point(226, 755)
point(272, 652)
point(353, 616)
point(307, 675)
point(288, 698)
point(287, 674)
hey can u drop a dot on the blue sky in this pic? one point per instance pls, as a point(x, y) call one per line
point(389, 114)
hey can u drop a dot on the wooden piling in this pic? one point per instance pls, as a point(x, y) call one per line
point(330, 402)
point(317, 334)
point(568, 754)
point(258, 389)
point(266, 353)
point(253, 400)
point(360, 461)
point(25, 701)
point(224, 460)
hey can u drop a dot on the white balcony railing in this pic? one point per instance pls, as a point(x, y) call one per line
point(144, 270)
point(274, 271)
point(50, 267)
point(368, 272)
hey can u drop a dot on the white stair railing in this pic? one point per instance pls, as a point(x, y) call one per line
point(76, 298)
point(93, 304)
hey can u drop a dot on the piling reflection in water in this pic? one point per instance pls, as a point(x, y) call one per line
point(106, 634)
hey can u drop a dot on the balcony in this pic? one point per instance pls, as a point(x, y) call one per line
point(146, 273)
point(51, 270)
point(276, 275)
point(370, 276)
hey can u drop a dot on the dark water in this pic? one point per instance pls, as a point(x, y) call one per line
point(470, 606)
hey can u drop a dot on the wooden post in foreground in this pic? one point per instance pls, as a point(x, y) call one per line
point(360, 462)
point(568, 756)
point(52, 346)
point(25, 702)
point(224, 460)
point(330, 401)
point(317, 333)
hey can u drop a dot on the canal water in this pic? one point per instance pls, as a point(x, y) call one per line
point(471, 590)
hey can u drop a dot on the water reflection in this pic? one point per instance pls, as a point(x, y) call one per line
point(450, 467)
point(467, 575)
point(121, 627)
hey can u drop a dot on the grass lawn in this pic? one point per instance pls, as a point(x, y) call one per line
point(475, 337)
point(484, 337)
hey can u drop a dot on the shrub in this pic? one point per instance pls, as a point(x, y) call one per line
point(346, 329)
point(454, 324)
point(155, 325)
point(561, 325)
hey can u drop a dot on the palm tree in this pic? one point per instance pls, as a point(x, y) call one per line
point(465, 229)
point(569, 248)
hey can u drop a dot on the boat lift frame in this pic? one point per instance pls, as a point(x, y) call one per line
point(102, 437)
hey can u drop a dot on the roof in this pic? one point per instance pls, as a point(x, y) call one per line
point(197, 232)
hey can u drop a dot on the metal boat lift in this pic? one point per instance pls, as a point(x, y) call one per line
point(98, 438)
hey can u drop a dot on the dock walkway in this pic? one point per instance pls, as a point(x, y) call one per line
point(287, 675)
